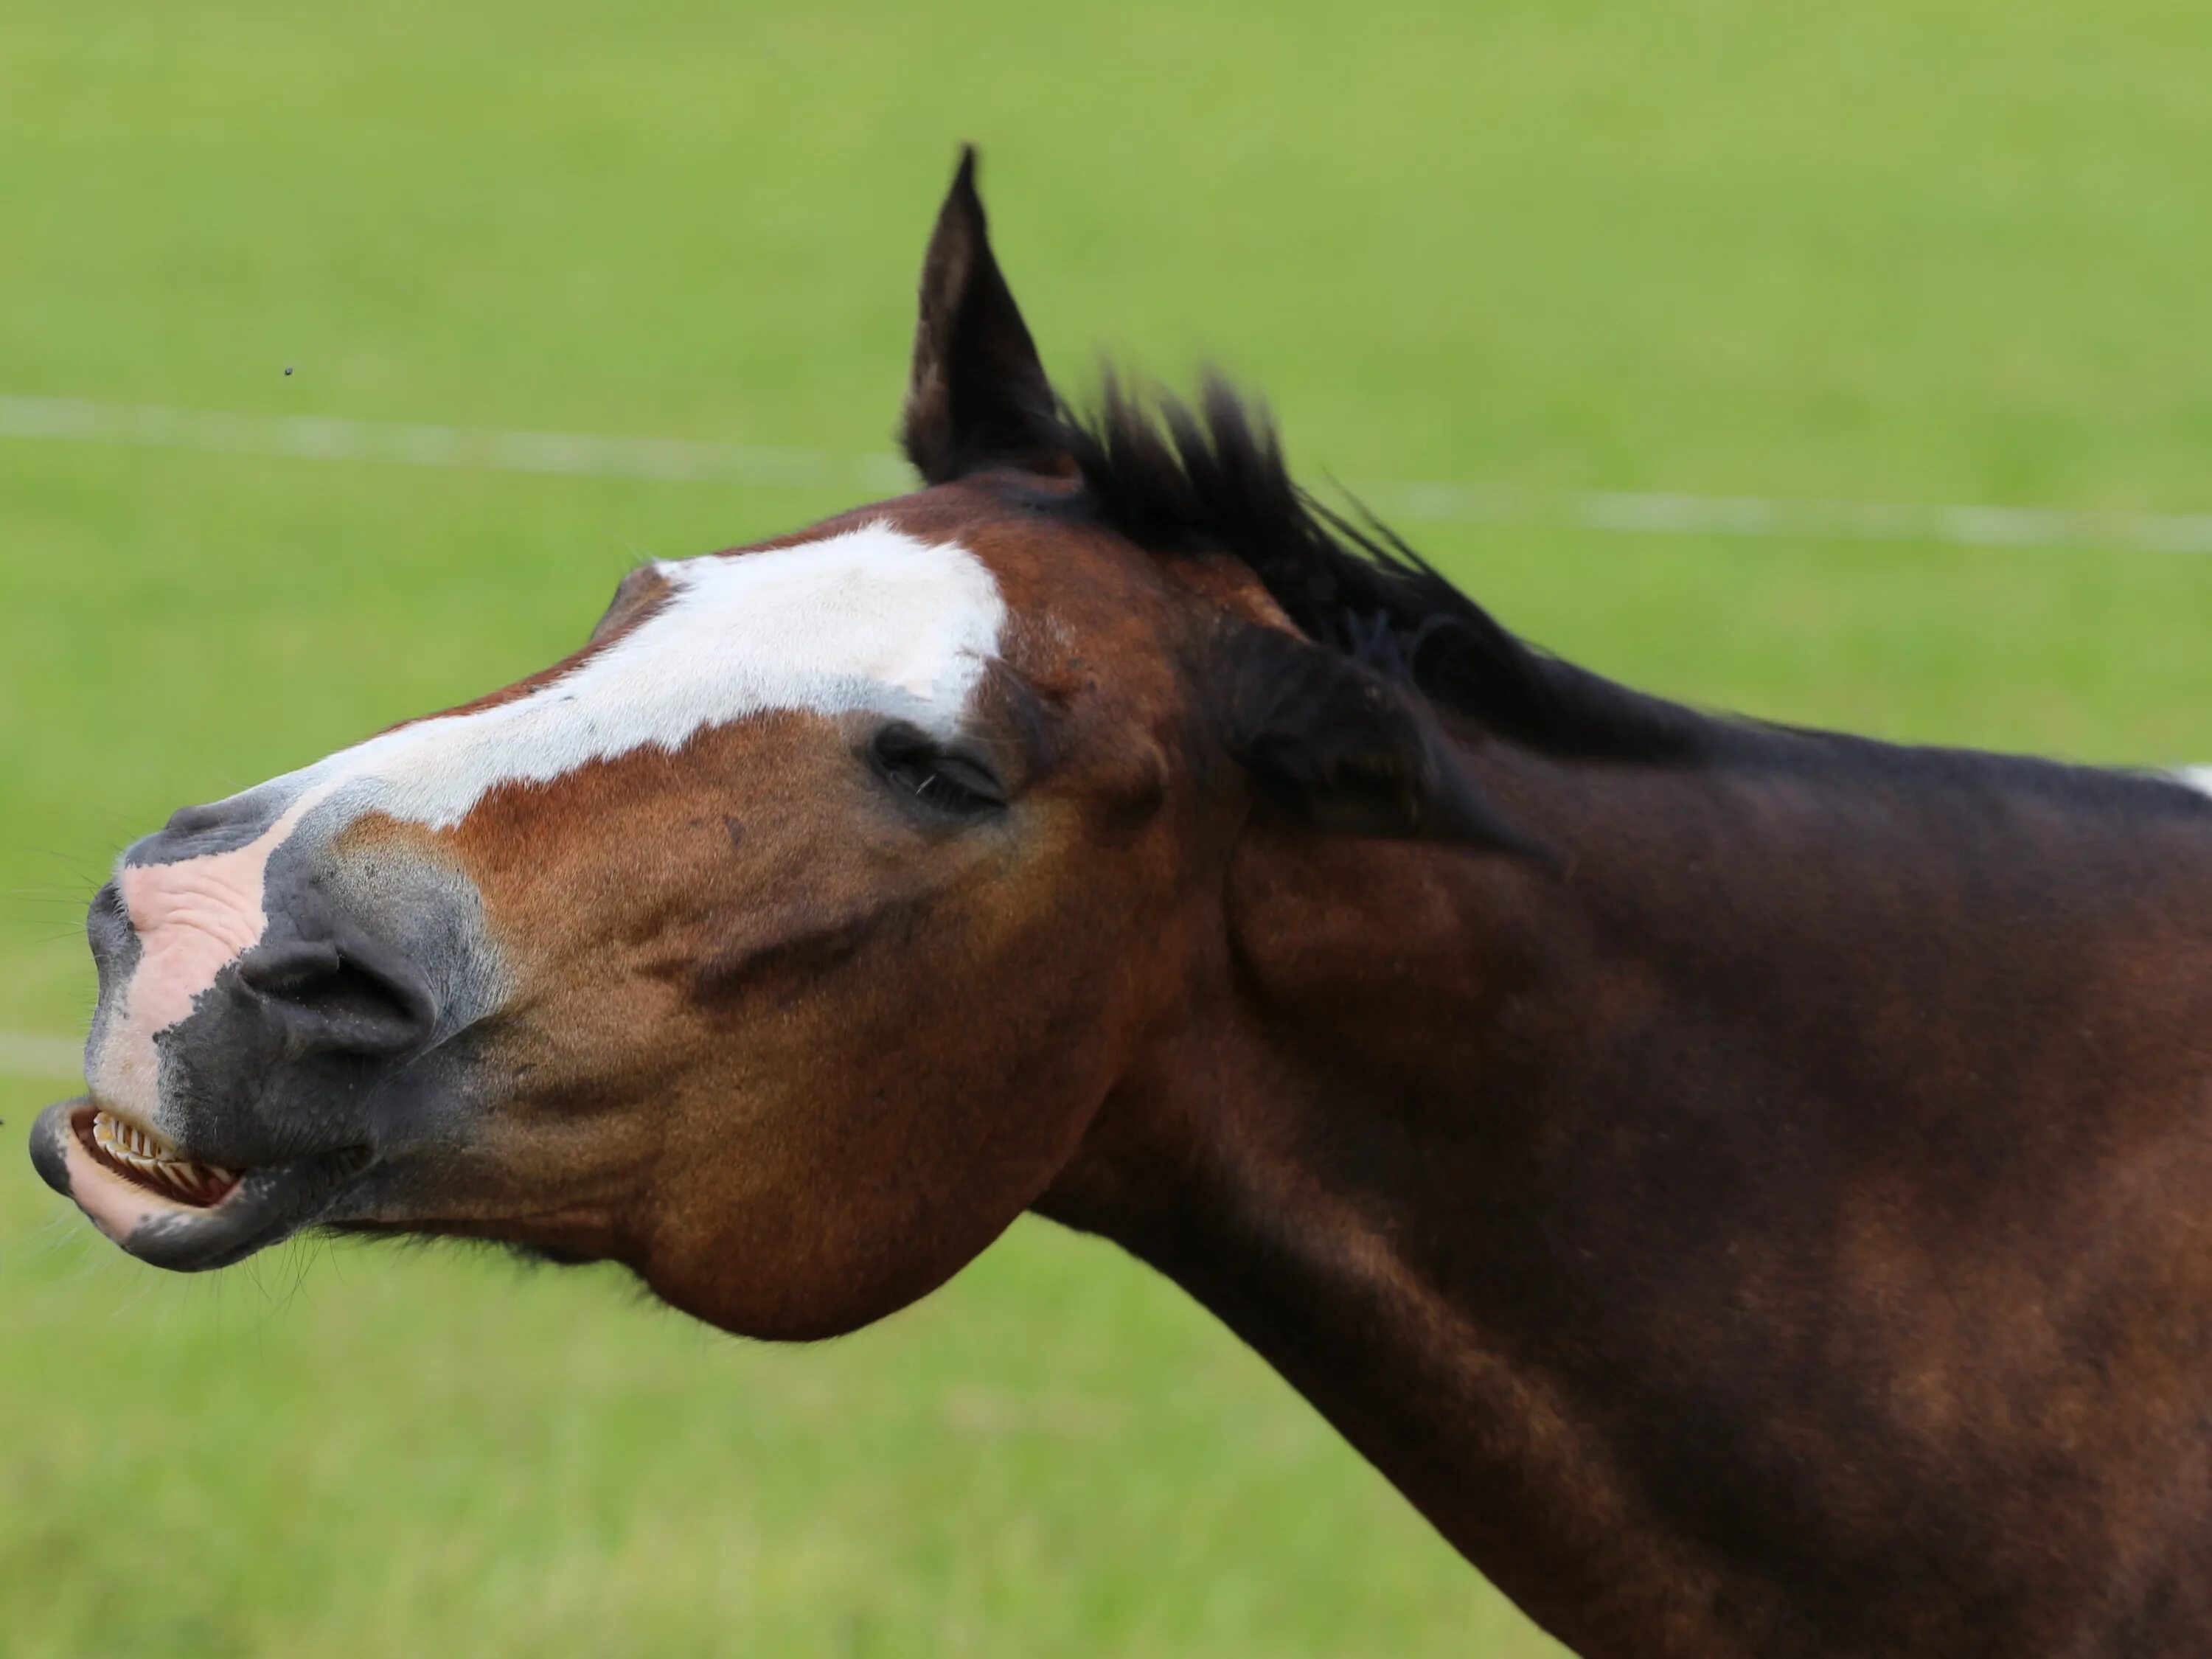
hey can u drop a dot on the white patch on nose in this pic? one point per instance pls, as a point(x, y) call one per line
point(871, 620)
point(2198, 778)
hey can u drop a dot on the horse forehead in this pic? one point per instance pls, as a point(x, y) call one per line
point(872, 618)
point(870, 615)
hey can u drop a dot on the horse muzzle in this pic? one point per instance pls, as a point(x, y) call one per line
point(249, 1117)
point(261, 1046)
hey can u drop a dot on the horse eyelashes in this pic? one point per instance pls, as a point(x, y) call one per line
point(945, 783)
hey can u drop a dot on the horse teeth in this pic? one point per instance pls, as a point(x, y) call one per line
point(145, 1153)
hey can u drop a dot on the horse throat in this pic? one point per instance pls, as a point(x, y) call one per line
point(1321, 1154)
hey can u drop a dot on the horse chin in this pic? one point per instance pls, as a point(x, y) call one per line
point(172, 1211)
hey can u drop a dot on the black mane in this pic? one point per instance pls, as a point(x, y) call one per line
point(1176, 478)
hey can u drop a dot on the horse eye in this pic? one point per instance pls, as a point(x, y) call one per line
point(913, 763)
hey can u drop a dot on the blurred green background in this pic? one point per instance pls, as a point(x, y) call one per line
point(1942, 251)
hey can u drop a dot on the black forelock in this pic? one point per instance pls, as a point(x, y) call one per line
point(1175, 478)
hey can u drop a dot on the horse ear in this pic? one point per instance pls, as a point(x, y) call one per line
point(1343, 749)
point(978, 395)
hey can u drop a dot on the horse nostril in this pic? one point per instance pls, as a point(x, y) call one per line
point(108, 909)
point(108, 931)
point(192, 820)
point(338, 1001)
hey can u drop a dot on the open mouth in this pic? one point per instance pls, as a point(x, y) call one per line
point(146, 1158)
point(174, 1211)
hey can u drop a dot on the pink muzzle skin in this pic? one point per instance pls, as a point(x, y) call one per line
point(194, 918)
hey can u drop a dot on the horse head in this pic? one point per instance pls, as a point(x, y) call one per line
point(786, 940)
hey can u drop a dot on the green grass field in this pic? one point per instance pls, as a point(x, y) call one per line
point(1951, 250)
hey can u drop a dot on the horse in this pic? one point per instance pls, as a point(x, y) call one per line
point(1749, 1188)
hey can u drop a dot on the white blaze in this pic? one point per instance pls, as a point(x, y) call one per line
point(871, 620)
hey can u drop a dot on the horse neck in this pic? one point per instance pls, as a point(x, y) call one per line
point(1500, 1165)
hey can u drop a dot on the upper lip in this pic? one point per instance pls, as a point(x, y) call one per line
point(267, 1202)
